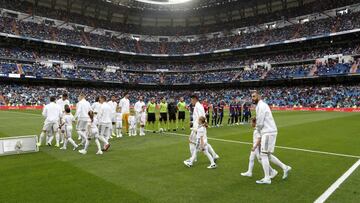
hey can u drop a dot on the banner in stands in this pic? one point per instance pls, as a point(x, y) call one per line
point(273, 108)
point(315, 109)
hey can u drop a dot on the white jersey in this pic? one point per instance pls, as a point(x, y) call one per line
point(118, 117)
point(197, 113)
point(96, 107)
point(143, 118)
point(113, 106)
point(93, 125)
point(201, 133)
point(132, 121)
point(52, 113)
point(138, 106)
point(68, 119)
point(105, 115)
point(62, 103)
point(265, 123)
point(125, 105)
point(82, 109)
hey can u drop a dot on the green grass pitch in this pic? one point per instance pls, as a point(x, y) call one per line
point(150, 168)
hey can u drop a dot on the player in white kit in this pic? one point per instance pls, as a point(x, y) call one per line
point(118, 124)
point(255, 153)
point(66, 127)
point(132, 124)
point(266, 127)
point(105, 118)
point(138, 108)
point(93, 133)
point(52, 114)
point(198, 112)
point(82, 109)
point(113, 104)
point(62, 102)
point(201, 144)
point(143, 120)
point(96, 106)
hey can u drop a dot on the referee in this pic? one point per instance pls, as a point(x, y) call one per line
point(181, 106)
point(151, 110)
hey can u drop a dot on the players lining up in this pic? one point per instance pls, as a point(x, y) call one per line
point(98, 121)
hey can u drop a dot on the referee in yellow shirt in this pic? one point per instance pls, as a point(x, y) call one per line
point(163, 114)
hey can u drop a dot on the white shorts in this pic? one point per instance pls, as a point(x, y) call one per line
point(268, 142)
point(67, 131)
point(105, 129)
point(193, 137)
point(51, 127)
point(118, 125)
point(94, 133)
point(81, 125)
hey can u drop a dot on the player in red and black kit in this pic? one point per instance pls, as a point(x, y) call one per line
point(221, 107)
point(232, 112)
point(238, 112)
point(206, 108)
point(214, 117)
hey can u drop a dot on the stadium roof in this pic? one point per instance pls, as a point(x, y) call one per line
point(187, 13)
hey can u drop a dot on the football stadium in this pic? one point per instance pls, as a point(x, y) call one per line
point(180, 101)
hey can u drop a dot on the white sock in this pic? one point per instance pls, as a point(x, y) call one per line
point(50, 139)
point(192, 147)
point(57, 137)
point(86, 144)
point(102, 139)
point(98, 144)
point(211, 150)
point(251, 161)
point(193, 156)
point(65, 143)
point(266, 165)
point(79, 132)
point(41, 137)
point(71, 141)
point(211, 159)
point(277, 162)
point(62, 137)
point(142, 130)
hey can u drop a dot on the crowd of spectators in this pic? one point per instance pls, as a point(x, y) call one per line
point(77, 37)
point(306, 96)
point(55, 13)
point(226, 71)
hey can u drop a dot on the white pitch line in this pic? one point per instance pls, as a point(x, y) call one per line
point(280, 147)
point(337, 183)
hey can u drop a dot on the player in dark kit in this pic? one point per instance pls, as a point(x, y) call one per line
point(172, 109)
point(221, 107)
point(214, 117)
point(232, 112)
point(246, 113)
point(238, 112)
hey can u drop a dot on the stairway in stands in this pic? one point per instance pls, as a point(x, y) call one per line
point(263, 76)
point(297, 31)
point(54, 34)
point(19, 69)
point(138, 47)
point(354, 68)
point(85, 38)
point(14, 27)
point(335, 27)
point(163, 49)
point(312, 71)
